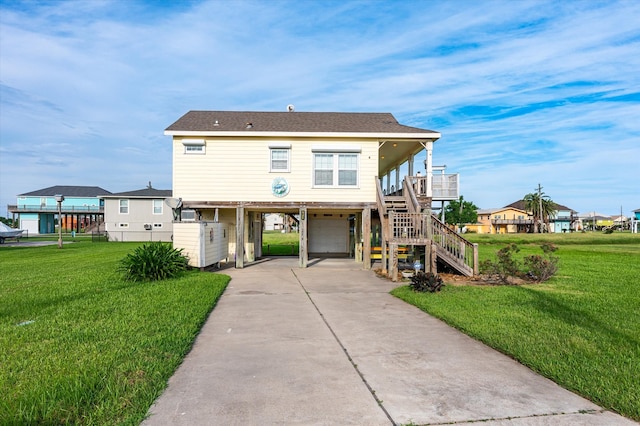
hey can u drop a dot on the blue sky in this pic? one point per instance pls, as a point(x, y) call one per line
point(522, 92)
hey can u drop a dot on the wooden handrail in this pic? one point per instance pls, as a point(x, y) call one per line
point(410, 195)
point(456, 247)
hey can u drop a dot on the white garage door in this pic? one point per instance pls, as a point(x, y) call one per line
point(328, 235)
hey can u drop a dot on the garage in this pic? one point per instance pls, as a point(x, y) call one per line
point(329, 235)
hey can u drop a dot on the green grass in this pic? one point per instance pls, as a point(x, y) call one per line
point(79, 345)
point(581, 328)
point(280, 244)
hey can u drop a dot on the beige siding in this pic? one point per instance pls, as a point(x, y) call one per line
point(238, 170)
point(140, 214)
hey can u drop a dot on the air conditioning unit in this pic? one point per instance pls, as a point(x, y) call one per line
point(147, 226)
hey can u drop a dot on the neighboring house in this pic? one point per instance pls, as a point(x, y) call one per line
point(505, 220)
point(81, 209)
point(594, 221)
point(337, 172)
point(564, 220)
point(140, 215)
point(273, 222)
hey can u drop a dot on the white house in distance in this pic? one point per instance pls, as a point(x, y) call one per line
point(140, 215)
point(337, 172)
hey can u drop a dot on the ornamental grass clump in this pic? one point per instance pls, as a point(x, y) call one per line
point(152, 262)
point(426, 282)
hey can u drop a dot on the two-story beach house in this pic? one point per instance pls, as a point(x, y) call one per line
point(504, 220)
point(140, 215)
point(81, 208)
point(338, 173)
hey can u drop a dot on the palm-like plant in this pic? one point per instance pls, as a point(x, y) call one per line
point(542, 208)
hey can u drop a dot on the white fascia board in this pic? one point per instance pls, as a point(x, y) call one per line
point(244, 134)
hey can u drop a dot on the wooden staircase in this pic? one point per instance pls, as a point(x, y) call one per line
point(406, 223)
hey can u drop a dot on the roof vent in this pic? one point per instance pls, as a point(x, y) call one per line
point(291, 108)
point(249, 125)
point(216, 123)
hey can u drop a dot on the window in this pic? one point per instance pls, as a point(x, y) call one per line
point(124, 206)
point(194, 149)
point(157, 206)
point(336, 170)
point(188, 215)
point(279, 159)
point(194, 146)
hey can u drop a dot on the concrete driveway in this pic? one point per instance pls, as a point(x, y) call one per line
point(328, 345)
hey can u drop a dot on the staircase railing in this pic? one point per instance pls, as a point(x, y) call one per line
point(454, 247)
point(410, 196)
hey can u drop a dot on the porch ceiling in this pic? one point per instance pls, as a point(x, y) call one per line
point(392, 153)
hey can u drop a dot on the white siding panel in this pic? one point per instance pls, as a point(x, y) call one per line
point(186, 236)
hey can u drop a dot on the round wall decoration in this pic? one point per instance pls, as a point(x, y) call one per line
point(279, 187)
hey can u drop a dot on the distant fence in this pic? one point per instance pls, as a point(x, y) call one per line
point(99, 237)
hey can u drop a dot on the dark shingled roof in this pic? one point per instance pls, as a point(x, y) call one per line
point(520, 204)
point(143, 193)
point(313, 122)
point(68, 191)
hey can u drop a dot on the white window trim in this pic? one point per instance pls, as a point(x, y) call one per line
point(153, 207)
point(336, 169)
point(272, 149)
point(194, 146)
point(120, 206)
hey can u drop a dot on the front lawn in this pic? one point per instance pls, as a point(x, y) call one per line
point(581, 328)
point(78, 345)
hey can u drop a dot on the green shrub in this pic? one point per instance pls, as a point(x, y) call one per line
point(505, 266)
point(424, 282)
point(541, 268)
point(152, 262)
point(535, 268)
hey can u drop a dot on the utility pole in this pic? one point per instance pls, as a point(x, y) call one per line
point(540, 206)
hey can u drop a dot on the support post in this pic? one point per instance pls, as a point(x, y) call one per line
point(476, 266)
point(239, 237)
point(366, 238)
point(433, 257)
point(393, 270)
point(303, 254)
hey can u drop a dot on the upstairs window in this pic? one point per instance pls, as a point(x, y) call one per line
point(124, 206)
point(157, 206)
point(335, 169)
point(194, 146)
point(279, 157)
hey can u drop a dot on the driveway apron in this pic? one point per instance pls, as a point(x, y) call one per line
point(328, 345)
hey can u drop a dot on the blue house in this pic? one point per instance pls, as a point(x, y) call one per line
point(36, 211)
point(635, 221)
